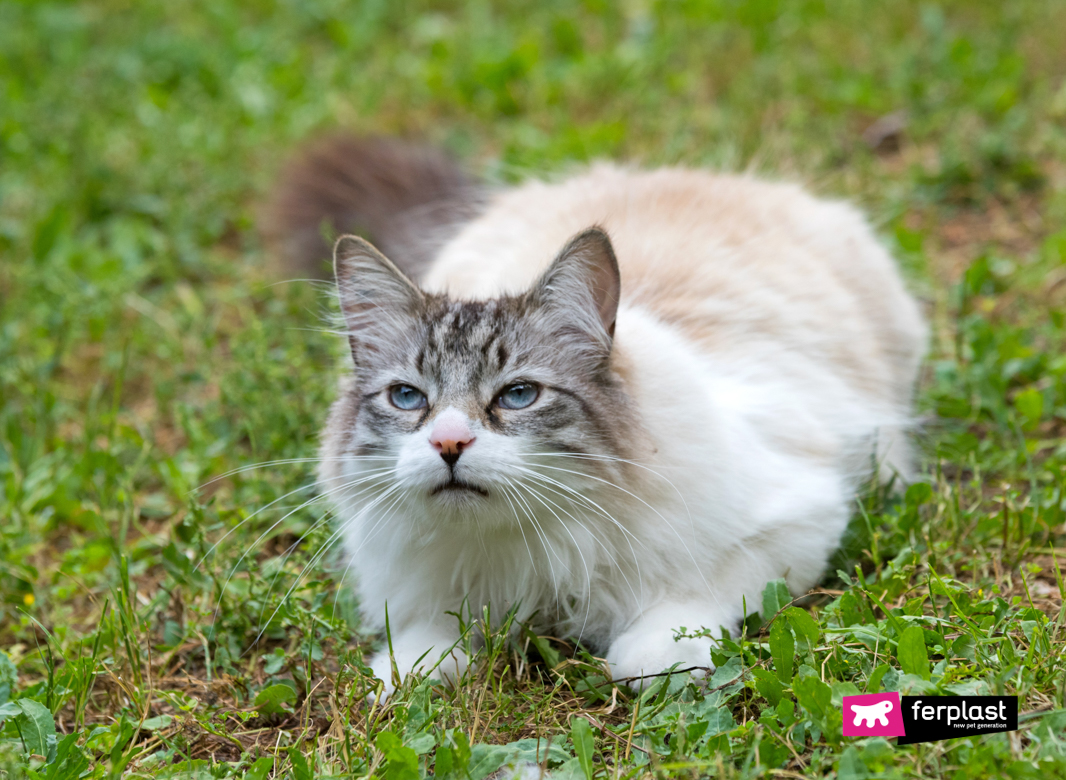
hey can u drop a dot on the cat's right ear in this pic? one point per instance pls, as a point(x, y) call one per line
point(374, 294)
point(583, 285)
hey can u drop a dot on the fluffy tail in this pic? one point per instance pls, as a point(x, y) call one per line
point(406, 199)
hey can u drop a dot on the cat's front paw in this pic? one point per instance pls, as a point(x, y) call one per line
point(636, 655)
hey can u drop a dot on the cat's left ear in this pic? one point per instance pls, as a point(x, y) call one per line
point(584, 285)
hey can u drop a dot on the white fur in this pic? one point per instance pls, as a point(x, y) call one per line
point(872, 712)
point(758, 431)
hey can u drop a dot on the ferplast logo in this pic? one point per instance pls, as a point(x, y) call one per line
point(933, 718)
point(927, 718)
point(873, 715)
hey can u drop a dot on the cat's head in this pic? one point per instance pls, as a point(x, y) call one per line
point(459, 404)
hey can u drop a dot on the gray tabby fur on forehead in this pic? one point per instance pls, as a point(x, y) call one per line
point(565, 321)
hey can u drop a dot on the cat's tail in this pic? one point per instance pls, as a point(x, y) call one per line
point(405, 198)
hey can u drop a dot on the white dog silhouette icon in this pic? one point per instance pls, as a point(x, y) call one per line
point(871, 712)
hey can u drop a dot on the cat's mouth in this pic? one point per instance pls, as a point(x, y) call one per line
point(458, 485)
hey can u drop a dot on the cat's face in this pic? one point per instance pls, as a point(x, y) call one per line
point(459, 404)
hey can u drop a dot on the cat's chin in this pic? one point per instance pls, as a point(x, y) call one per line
point(458, 494)
point(458, 487)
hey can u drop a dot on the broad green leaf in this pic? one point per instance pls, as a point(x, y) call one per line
point(197, 768)
point(851, 611)
point(774, 596)
point(535, 751)
point(460, 750)
point(813, 695)
point(911, 652)
point(719, 720)
point(803, 624)
point(421, 743)
point(270, 700)
point(486, 759)
point(964, 647)
point(550, 655)
point(260, 769)
point(727, 672)
point(401, 763)
point(851, 766)
point(275, 661)
point(918, 493)
point(915, 685)
point(873, 685)
point(157, 723)
point(443, 762)
point(37, 728)
point(768, 686)
point(581, 735)
point(1030, 405)
point(695, 731)
point(782, 649)
point(970, 688)
point(786, 712)
point(119, 758)
point(56, 769)
point(300, 768)
point(570, 770)
point(841, 689)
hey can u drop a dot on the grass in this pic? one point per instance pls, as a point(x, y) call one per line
point(148, 363)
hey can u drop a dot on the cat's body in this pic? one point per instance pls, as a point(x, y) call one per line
point(688, 442)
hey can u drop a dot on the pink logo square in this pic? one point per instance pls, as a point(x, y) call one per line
point(873, 715)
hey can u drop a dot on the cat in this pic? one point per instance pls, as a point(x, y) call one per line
point(616, 404)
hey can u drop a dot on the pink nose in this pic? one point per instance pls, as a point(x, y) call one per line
point(450, 435)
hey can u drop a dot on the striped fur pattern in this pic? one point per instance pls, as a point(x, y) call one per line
point(716, 365)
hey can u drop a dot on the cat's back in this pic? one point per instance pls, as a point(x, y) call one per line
point(732, 261)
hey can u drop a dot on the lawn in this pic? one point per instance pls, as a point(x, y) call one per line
point(168, 593)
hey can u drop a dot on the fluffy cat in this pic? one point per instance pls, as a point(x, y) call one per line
point(619, 403)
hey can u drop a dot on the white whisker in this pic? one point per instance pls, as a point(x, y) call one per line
point(263, 509)
point(318, 556)
point(544, 543)
point(613, 459)
point(322, 520)
point(258, 541)
point(288, 462)
point(521, 530)
point(547, 483)
point(653, 509)
point(577, 546)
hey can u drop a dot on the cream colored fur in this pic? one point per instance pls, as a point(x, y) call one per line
point(769, 349)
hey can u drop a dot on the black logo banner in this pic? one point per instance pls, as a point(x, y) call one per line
point(933, 718)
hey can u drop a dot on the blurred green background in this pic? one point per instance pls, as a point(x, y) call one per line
point(146, 350)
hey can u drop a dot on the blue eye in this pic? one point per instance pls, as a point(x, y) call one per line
point(518, 396)
point(406, 397)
